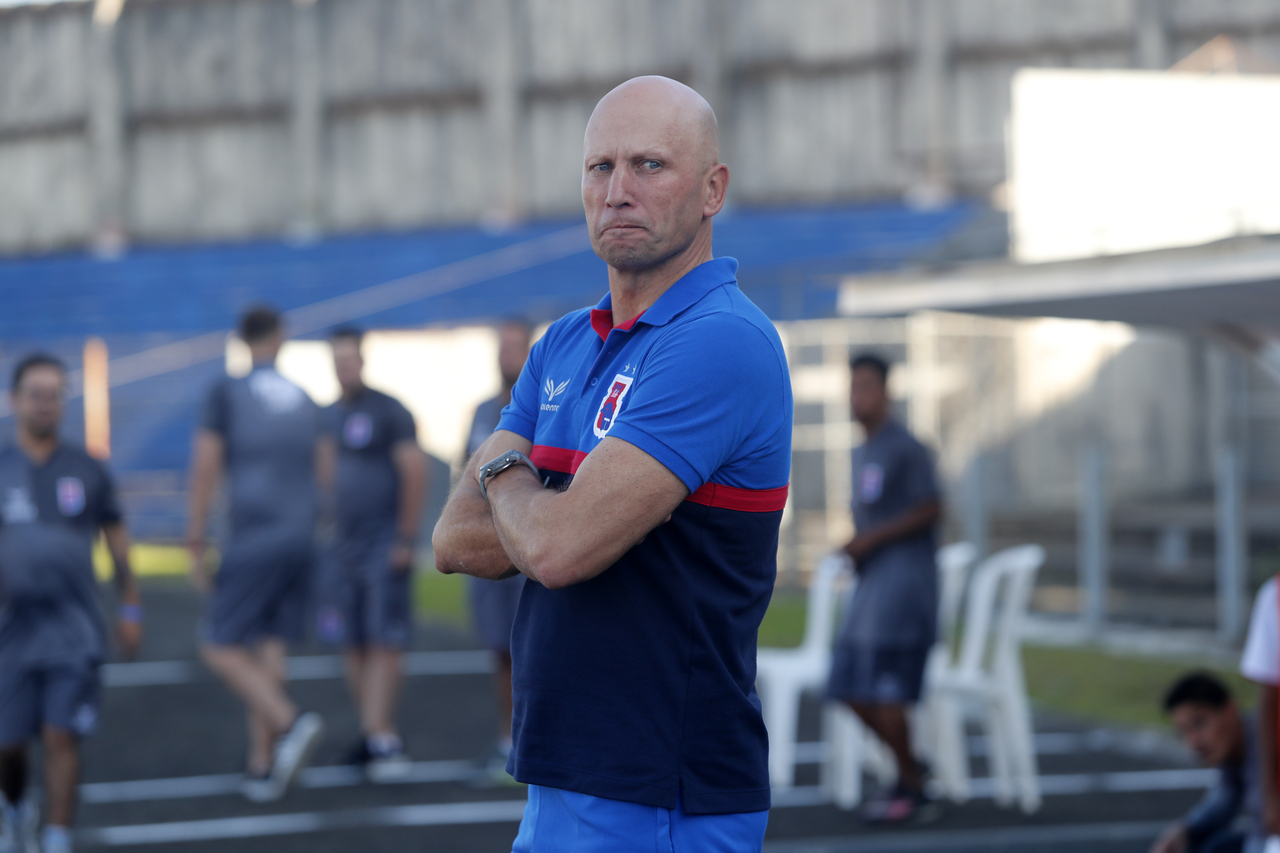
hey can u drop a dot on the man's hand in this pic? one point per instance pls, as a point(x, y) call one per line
point(129, 634)
point(195, 568)
point(1172, 840)
point(401, 557)
point(860, 547)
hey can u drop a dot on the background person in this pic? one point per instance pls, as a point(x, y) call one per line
point(380, 477)
point(1261, 663)
point(1210, 724)
point(647, 520)
point(493, 602)
point(53, 501)
point(877, 666)
point(262, 430)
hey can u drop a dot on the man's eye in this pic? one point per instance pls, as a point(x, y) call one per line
point(650, 164)
point(601, 167)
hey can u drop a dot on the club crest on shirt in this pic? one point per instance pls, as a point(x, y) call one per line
point(611, 405)
point(870, 483)
point(357, 431)
point(70, 495)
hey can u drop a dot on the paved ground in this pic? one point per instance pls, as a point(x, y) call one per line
point(160, 775)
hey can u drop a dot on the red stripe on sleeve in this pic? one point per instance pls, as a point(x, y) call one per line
point(556, 458)
point(743, 500)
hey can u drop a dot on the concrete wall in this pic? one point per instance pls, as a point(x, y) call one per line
point(226, 119)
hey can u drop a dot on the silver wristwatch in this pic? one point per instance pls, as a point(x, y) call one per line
point(489, 470)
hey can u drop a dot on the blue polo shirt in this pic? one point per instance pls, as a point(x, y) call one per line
point(639, 684)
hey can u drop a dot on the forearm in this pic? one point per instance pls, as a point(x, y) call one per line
point(125, 582)
point(1267, 702)
point(204, 480)
point(465, 540)
point(909, 524)
point(1217, 810)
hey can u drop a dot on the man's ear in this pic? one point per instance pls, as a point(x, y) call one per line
point(717, 189)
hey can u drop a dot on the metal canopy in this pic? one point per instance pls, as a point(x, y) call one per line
point(1234, 283)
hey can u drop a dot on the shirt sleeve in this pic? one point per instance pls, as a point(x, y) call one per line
point(1261, 659)
point(700, 393)
point(1216, 810)
point(216, 416)
point(919, 476)
point(401, 426)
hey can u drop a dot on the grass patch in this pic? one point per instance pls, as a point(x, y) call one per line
point(783, 624)
point(441, 598)
point(1125, 689)
point(146, 559)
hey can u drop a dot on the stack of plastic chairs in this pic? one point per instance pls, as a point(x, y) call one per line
point(988, 677)
point(783, 675)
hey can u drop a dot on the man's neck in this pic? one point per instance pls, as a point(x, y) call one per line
point(349, 394)
point(632, 292)
point(38, 448)
point(872, 427)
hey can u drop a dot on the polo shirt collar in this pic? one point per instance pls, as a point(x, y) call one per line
point(686, 291)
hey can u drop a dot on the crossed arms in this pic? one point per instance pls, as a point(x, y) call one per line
point(557, 538)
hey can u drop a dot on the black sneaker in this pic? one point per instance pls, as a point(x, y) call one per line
point(358, 755)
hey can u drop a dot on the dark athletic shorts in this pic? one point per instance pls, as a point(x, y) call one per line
point(877, 675)
point(364, 602)
point(259, 593)
point(64, 696)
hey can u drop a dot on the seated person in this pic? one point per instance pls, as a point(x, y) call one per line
point(1209, 723)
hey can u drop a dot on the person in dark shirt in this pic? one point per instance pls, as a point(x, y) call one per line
point(380, 477)
point(877, 665)
point(53, 501)
point(263, 431)
point(1211, 725)
point(493, 602)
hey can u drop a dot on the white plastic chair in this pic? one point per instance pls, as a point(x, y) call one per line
point(850, 746)
point(989, 675)
point(783, 675)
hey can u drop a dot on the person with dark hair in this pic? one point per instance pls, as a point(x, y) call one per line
point(56, 498)
point(380, 477)
point(263, 431)
point(877, 665)
point(1209, 723)
point(494, 602)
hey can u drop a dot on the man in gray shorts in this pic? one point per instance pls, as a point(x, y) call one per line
point(884, 638)
point(263, 431)
point(493, 603)
point(53, 501)
point(380, 479)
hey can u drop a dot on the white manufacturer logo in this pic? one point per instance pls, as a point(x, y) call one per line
point(553, 390)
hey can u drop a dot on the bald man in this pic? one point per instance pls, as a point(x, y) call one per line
point(637, 480)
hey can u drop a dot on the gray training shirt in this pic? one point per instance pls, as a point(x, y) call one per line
point(269, 427)
point(49, 517)
point(367, 484)
point(895, 603)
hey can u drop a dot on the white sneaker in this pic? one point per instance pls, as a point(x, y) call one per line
point(294, 748)
point(261, 789)
point(393, 765)
point(21, 829)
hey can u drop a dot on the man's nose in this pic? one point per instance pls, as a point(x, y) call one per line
point(619, 188)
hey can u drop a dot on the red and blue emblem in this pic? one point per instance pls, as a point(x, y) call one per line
point(70, 495)
point(357, 432)
point(611, 405)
